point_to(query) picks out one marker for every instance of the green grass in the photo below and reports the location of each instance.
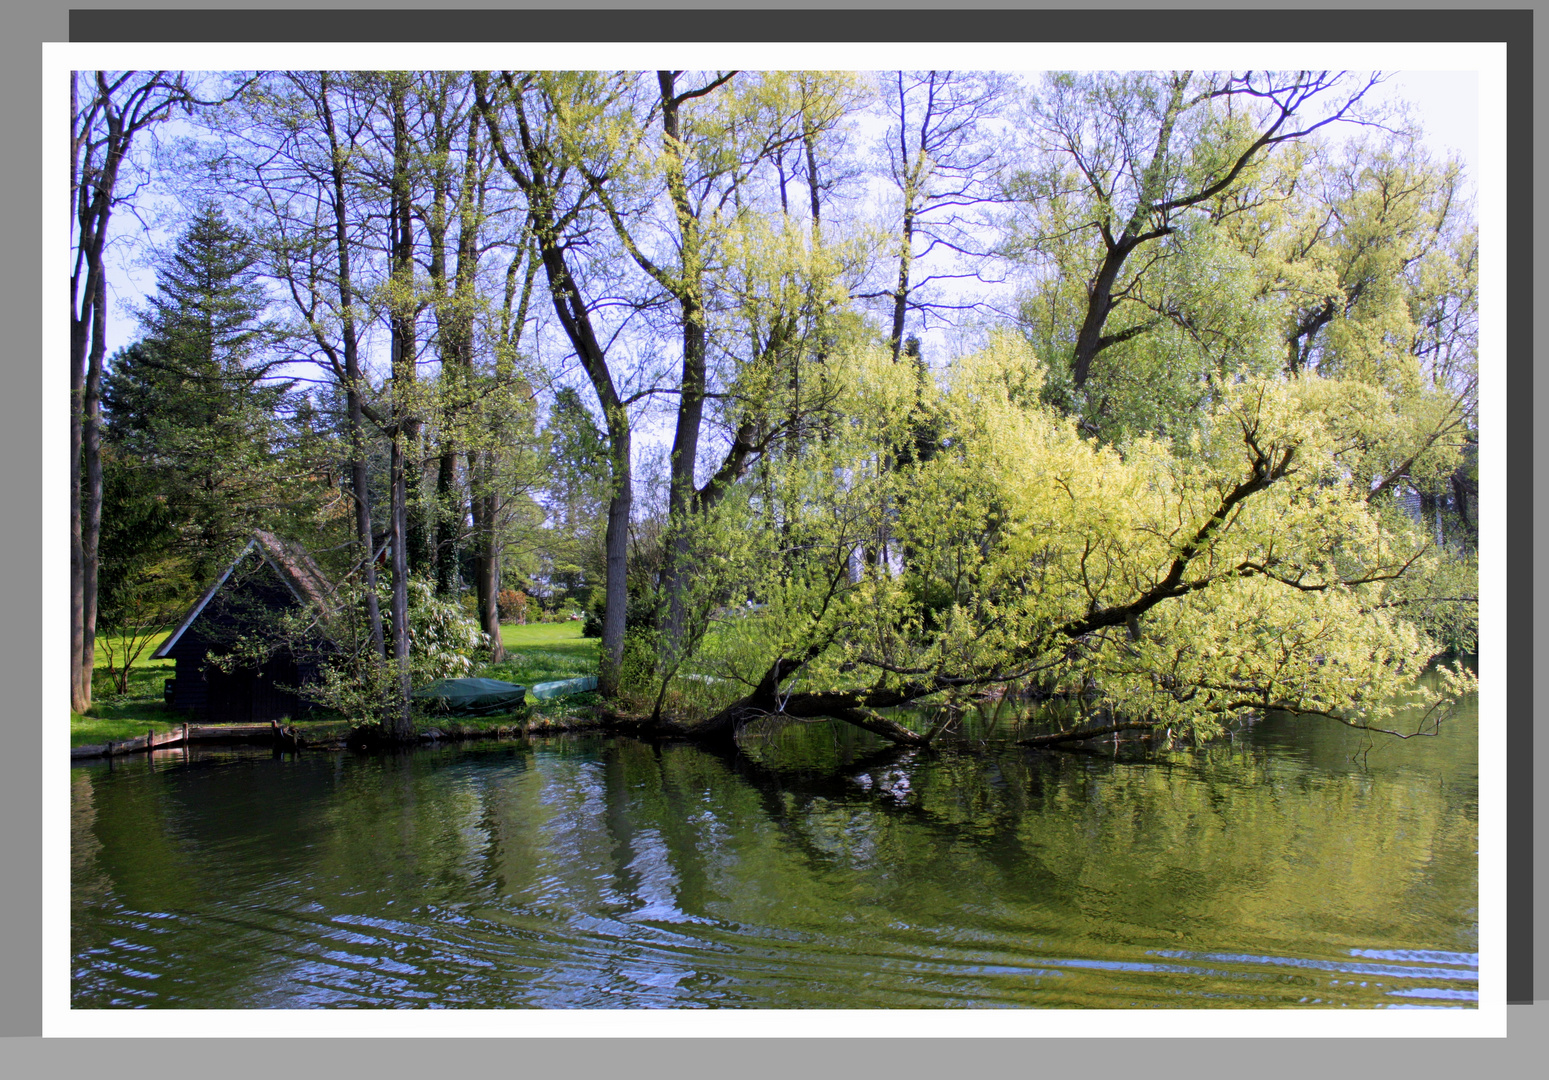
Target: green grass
(94, 730)
(118, 716)
(543, 652)
(560, 633)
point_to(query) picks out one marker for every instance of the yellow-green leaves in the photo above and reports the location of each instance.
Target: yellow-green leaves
(1251, 573)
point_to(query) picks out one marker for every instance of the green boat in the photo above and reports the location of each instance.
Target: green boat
(472, 697)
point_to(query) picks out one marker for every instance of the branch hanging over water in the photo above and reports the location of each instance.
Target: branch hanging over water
(1086, 733)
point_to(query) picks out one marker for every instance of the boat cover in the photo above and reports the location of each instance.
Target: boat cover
(472, 697)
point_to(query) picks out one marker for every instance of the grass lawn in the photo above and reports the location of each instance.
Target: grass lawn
(118, 716)
(538, 653)
(543, 652)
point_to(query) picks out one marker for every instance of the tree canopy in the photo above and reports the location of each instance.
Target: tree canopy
(1211, 448)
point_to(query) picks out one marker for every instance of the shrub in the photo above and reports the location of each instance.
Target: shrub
(513, 605)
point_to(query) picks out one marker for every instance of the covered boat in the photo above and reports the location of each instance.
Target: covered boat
(472, 697)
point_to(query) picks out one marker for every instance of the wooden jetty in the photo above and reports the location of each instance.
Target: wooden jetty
(272, 734)
(286, 737)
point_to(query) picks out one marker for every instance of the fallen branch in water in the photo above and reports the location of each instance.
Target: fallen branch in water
(1086, 733)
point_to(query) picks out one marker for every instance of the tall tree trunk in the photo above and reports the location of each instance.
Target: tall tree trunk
(92, 182)
(447, 507)
(1089, 339)
(901, 290)
(401, 726)
(418, 550)
(80, 688)
(616, 549)
(486, 550)
(91, 509)
(354, 405)
(80, 673)
(449, 513)
(678, 558)
(405, 423)
(575, 317)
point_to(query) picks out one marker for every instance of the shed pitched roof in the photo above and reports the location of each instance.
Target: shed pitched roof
(292, 565)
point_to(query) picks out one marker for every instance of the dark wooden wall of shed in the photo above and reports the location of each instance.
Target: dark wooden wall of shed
(246, 695)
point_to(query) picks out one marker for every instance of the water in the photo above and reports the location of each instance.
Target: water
(1284, 868)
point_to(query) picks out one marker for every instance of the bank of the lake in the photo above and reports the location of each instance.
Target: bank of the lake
(536, 652)
(1297, 864)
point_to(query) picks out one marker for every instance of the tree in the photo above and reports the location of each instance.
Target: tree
(942, 159)
(1128, 165)
(1380, 268)
(193, 404)
(143, 583)
(483, 407)
(108, 110)
(560, 208)
(576, 496)
(716, 136)
(1148, 589)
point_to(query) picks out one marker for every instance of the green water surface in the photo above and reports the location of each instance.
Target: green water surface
(817, 868)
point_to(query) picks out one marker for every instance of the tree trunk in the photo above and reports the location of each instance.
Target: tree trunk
(401, 726)
(363, 537)
(765, 701)
(91, 509)
(449, 514)
(80, 692)
(405, 421)
(678, 558)
(676, 569)
(616, 586)
(1089, 339)
(901, 291)
(575, 317)
(492, 569)
(486, 551)
(404, 312)
(354, 405)
(1460, 495)
(80, 676)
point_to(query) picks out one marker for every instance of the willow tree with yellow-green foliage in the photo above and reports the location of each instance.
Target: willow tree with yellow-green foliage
(1183, 226)
(1151, 588)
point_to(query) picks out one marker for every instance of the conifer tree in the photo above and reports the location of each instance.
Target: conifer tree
(191, 402)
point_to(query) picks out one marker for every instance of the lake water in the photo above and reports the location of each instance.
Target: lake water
(1283, 868)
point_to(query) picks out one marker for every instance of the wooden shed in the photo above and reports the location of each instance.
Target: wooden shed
(267, 581)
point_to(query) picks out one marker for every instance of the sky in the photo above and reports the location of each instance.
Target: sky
(1447, 103)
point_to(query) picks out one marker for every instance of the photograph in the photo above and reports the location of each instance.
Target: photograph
(750, 538)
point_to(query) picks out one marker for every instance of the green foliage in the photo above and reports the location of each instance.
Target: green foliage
(141, 577)
(1258, 573)
(443, 640)
(190, 403)
(1195, 517)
